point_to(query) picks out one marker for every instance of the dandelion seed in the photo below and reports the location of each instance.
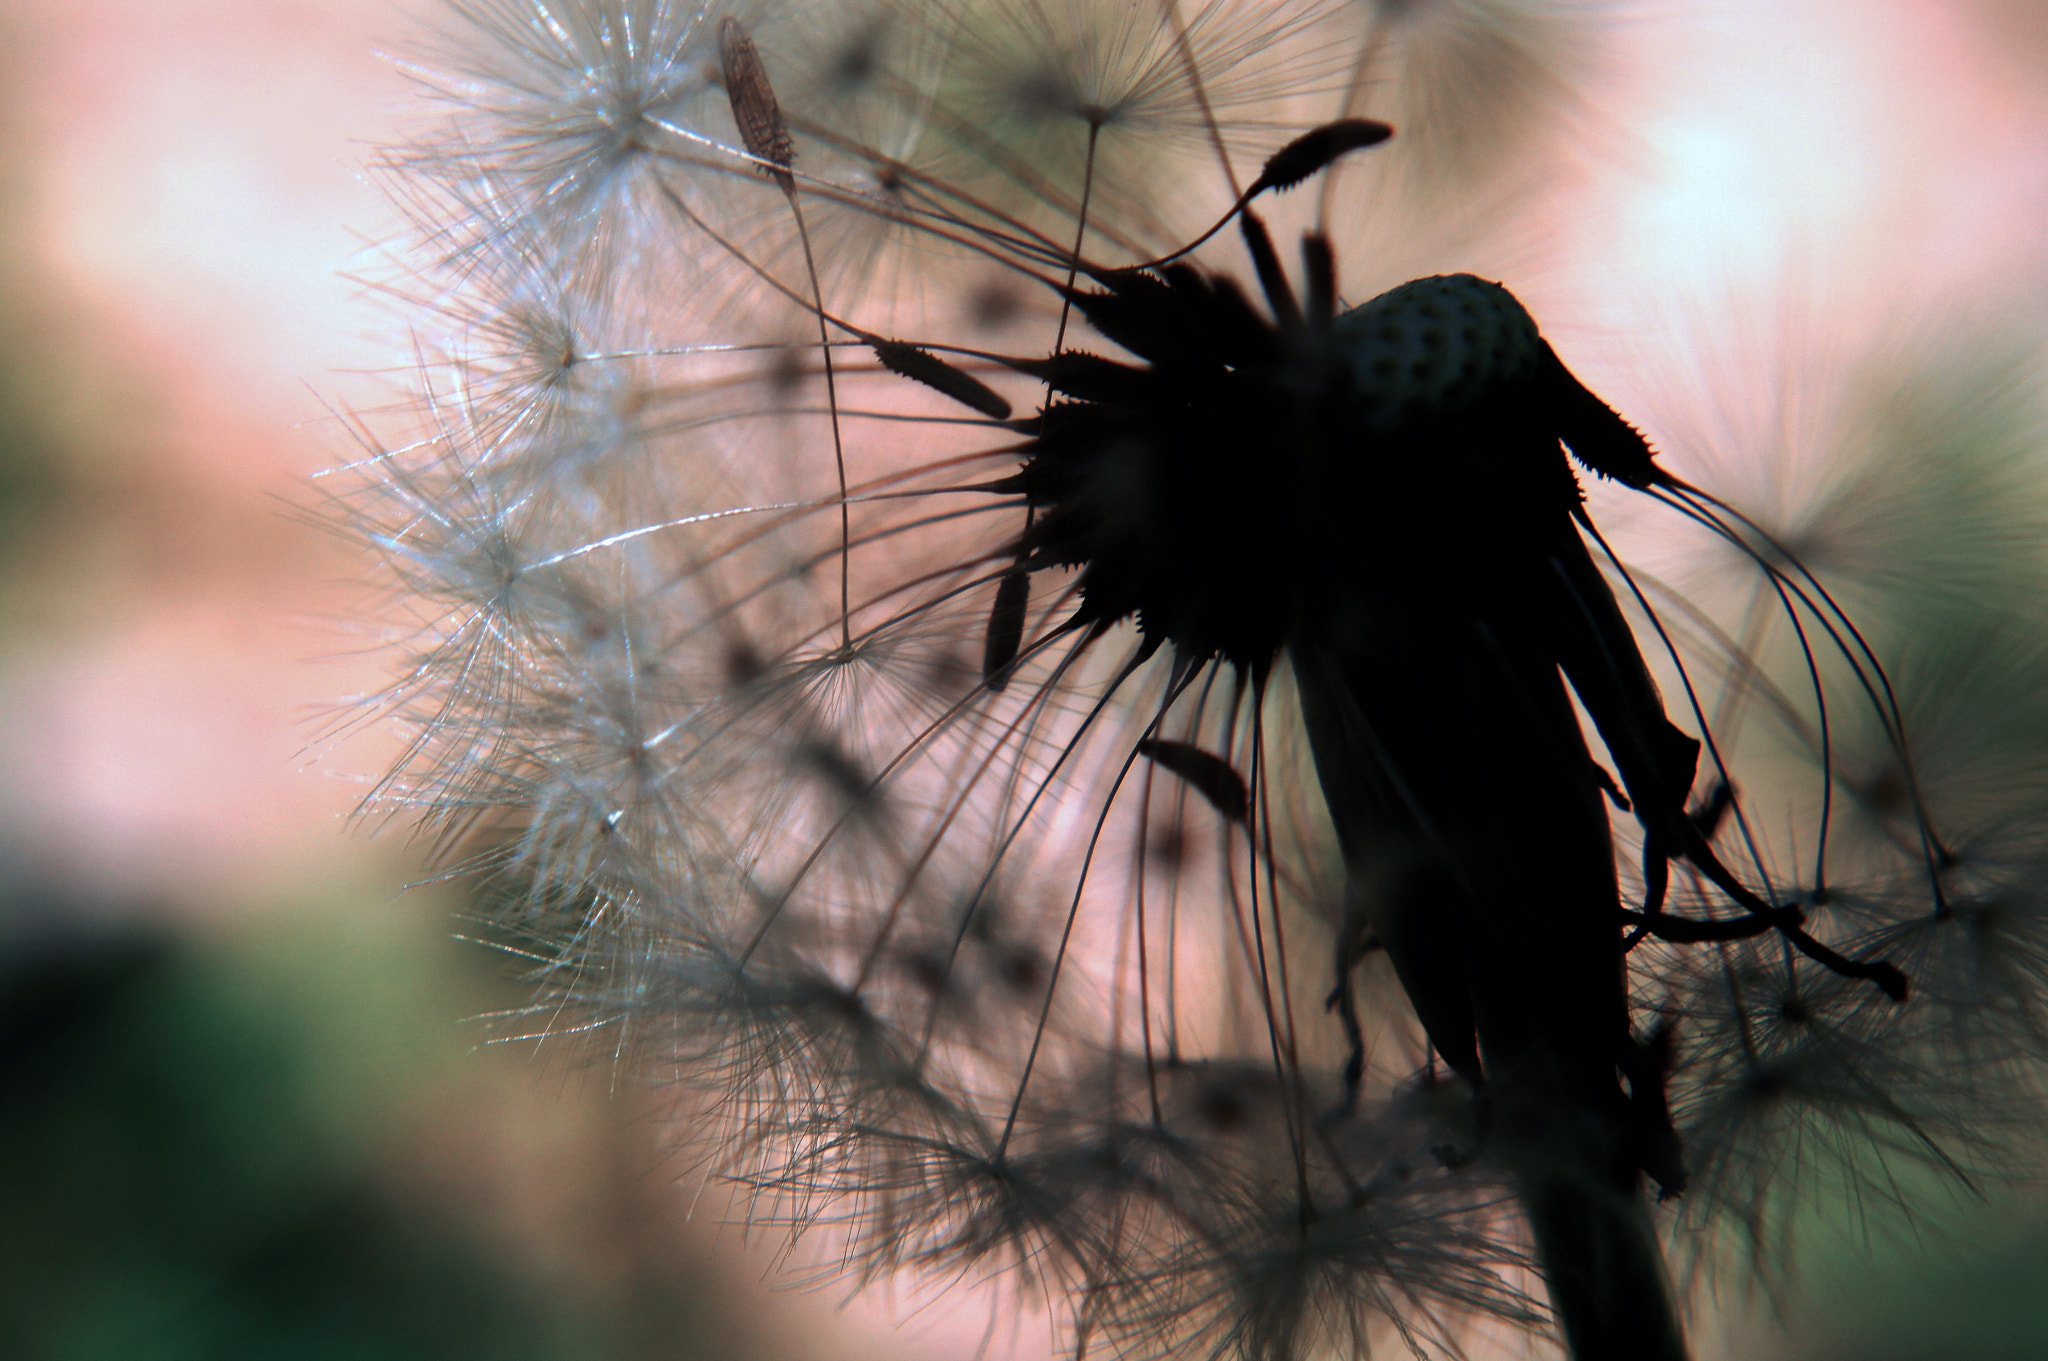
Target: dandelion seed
(1085, 772)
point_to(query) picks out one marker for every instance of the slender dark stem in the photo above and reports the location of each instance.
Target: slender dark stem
(1605, 1273)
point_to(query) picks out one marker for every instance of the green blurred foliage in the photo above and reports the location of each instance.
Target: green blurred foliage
(200, 1144)
(1991, 1305)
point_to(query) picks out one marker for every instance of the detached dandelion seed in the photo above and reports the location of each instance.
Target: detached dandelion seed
(1077, 757)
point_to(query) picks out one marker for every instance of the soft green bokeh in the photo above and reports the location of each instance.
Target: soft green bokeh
(208, 1148)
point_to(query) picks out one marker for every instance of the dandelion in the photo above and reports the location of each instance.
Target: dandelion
(1098, 750)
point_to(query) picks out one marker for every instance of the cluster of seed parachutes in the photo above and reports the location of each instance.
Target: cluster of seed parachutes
(992, 924)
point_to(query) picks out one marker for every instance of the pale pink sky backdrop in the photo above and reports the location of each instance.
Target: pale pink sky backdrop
(194, 191)
(191, 169)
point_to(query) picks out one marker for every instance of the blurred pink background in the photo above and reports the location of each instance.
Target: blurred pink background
(188, 189)
(182, 190)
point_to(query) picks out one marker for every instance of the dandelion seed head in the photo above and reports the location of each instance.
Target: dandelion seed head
(1096, 754)
(1801, 1109)
(1436, 343)
(566, 100)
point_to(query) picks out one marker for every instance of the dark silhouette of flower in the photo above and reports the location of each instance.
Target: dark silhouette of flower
(1170, 793)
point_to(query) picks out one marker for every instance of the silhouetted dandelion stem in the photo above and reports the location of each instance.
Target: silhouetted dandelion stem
(1054, 786)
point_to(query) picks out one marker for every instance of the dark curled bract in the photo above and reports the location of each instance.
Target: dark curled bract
(1214, 778)
(1313, 151)
(1005, 628)
(923, 366)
